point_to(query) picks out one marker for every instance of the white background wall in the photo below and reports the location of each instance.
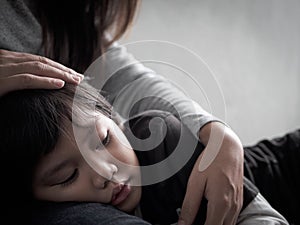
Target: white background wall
(251, 46)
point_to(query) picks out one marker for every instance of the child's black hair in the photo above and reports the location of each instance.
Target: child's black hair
(31, 123)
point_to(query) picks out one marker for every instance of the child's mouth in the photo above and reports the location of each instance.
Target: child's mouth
(121, 194)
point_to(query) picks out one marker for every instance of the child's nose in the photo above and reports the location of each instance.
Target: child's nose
(101, 178)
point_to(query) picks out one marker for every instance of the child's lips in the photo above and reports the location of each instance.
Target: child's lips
(120, 193)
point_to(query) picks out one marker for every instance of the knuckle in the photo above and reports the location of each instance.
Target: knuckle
(70, 71)
(27, 80)
(42, 59)
(67, 75)
(39, 66)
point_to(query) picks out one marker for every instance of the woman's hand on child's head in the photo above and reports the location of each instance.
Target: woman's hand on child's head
(26, 71)
(220, 181)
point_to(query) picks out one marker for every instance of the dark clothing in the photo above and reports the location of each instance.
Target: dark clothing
(82, 214)
(160, 201)
(273, 166)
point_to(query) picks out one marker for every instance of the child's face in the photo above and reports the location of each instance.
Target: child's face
(68, 173)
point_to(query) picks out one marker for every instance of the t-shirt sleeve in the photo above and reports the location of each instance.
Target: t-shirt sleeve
(133, 88)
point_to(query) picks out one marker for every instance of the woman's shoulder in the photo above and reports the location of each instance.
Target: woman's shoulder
(20, 30)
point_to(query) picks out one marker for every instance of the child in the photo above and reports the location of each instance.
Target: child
(66, 149)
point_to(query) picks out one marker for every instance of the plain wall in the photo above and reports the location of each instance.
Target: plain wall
(238, 58)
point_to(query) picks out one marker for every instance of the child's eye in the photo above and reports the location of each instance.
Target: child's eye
(70, 179)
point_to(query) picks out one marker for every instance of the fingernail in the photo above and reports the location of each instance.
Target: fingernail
(80, 75)
(76, 78)
(59, 83)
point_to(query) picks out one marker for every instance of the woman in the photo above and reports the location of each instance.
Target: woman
(76, 35)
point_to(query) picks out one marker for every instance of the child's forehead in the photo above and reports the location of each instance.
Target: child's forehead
(81, 125)
(86, 118)
(89, 125)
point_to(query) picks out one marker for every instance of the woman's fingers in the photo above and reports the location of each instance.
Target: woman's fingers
(28, 81)
(39, 62)
(38, 69)
(49, 62)
(27, 71)
(20, 57)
